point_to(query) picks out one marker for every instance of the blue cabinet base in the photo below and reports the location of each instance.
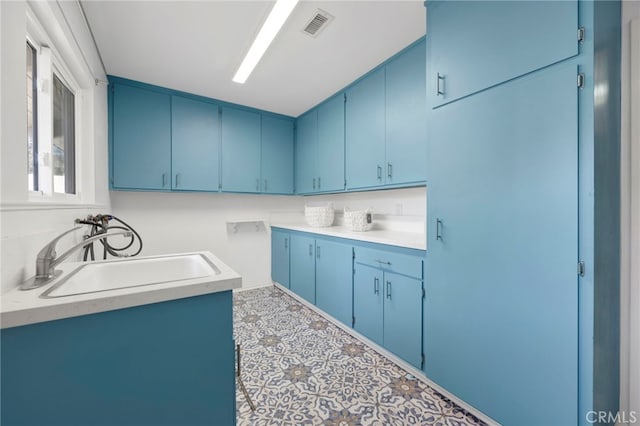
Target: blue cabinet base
(169, 363)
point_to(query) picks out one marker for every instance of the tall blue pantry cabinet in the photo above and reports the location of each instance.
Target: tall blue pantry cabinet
(522, 292)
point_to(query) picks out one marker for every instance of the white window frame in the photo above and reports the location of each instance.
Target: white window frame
(49, 61)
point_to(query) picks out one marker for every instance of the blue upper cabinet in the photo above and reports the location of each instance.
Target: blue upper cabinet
(277, 155)
(330, 148)
(320, 148)
(406, 109)
(386, 131)
(240, 150)
(365, 132)
(509, 39)
(141, 138)
(195, 145)
(306, 142)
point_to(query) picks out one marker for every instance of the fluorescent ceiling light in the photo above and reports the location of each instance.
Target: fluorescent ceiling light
(276, 19)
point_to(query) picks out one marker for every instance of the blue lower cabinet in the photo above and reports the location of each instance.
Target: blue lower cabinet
(168, 363)
(333, 279)
(303, 267)
(402, 317)
(388, 299)
(368, 302)
(280, 257)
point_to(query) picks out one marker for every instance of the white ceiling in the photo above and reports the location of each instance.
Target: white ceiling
(196, 46)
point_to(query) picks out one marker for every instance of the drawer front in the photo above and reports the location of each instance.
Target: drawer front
(395, 262)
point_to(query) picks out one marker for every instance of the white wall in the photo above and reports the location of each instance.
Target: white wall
(26, 226)
(179, 222)
(630, 220)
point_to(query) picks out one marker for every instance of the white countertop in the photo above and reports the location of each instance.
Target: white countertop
(27, 307)
(413, 240)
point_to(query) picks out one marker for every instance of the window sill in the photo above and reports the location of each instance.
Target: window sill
(49, 205)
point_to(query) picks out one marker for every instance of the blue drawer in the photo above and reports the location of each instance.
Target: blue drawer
(403, 264)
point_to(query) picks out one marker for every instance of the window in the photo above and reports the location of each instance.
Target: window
(51, 125)
(32, 108)
(63, 149)
(64, 100)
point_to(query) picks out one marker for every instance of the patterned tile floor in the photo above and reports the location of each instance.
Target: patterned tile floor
(300, 369)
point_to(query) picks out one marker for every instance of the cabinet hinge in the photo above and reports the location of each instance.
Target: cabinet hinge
(580, 81)
(581, 34)
(345, 184)
(421, 361)
(581, 268)
(219, 186)
(353, 321)
(423, 293)
(345, 98)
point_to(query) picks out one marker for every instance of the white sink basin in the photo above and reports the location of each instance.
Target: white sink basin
(134, 272)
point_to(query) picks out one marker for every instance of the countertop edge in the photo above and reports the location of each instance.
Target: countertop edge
(406, 240)
(38, 314)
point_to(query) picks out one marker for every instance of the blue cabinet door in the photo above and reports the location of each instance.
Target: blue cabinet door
(303, 267)
(406, 109)
(167, 357)
(403, 317)
(195, 145)
(365, 134)
(277, 155)
(368, 291)
(305, 153)
(240, 150)
(501, 47)
(141, 137)
(334, 292)
(502, 237)
(280, 257)
(330, 149)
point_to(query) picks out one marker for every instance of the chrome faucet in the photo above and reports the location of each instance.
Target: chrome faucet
(47, 260)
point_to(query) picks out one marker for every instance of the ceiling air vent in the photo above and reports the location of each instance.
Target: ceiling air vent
(317, 23)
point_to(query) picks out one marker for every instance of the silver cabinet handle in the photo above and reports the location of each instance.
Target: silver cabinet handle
(319, 183)
(439, 86)
(389, 290)
(311, 250)
(376, 285)
(389, 170)
(164, 180)
(379, 172)
(286, 243)
(438, 225)
(384, 262)
(314, 183)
